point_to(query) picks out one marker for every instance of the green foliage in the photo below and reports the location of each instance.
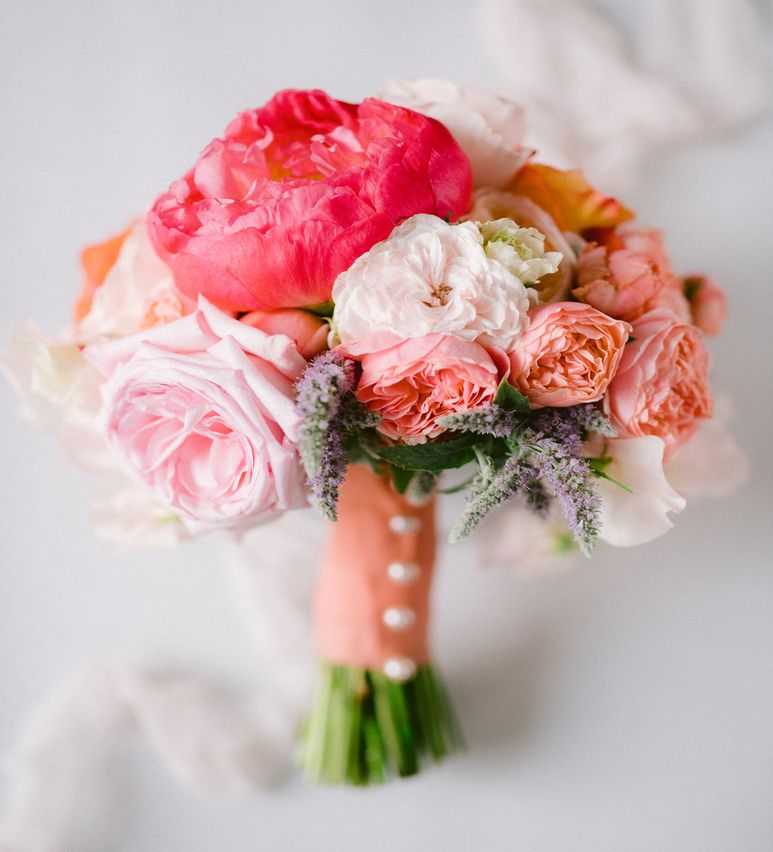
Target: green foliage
(510, 399)
(433, 457)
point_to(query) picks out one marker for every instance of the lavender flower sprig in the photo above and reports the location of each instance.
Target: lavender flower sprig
(329, 412)
(488, 419)
(543, 462)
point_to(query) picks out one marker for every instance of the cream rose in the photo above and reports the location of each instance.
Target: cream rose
(430, 277)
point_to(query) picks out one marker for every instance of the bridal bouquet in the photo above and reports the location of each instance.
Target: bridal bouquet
(365, 306)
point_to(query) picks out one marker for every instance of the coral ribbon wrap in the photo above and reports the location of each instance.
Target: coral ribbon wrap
(355, 587)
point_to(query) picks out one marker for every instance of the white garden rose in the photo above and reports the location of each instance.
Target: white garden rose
(431, 277)
(488, 128)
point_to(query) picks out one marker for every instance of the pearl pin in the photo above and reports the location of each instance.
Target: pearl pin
(399, 617)
(404, 524)
(403, 572)
(399, 668)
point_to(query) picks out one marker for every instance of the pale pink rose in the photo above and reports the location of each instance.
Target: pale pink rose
(708, 304)
(568, 355)
(413, 382)
(202, 411)
(627, 274)
(305, 329)
(661, 387)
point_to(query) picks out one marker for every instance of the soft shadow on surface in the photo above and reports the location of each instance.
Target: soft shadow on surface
(497, 695)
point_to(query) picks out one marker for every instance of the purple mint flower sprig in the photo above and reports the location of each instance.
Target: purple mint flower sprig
(541, 462)
(329, 414)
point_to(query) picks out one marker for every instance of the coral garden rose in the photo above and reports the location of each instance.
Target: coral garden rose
(489, 128)
(629, 274)
(661, 386)
(296, 190)
(305, 329)
(411, 383)
(708, 305)
(431, 277)
(202, 411)
(568, 355)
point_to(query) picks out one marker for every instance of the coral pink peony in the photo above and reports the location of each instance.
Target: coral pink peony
(661, 387)
(296, 191)
(411, 383)
(627, 274)
(708, 304)
(202, 411)
(568, 355)
(305, 329)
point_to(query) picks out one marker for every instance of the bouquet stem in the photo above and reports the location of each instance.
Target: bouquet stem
(380, 708)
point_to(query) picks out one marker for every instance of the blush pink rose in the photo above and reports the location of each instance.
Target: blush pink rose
(661, 387)
(201, 410)
(708, 304)
(413, 382)
(296, 191)
(568, 355)
(306, 330)
(627, 274)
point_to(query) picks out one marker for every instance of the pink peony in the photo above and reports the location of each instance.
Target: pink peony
(296, 191)
(305, 329)
(661, 386)
(411, 383)
(708, 304)
(568, 355)
(202, 411)
(627, 274)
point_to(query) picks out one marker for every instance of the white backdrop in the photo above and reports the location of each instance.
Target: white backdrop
(626, 704)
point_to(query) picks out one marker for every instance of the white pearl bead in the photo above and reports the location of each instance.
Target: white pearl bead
(399, 668)
(404, 524)
(403, 572)
(399, 617)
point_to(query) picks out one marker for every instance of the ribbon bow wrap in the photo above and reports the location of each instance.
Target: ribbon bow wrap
(696, 68)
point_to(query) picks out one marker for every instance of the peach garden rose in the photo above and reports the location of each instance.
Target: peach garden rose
(627, 273)
(568, 355)
(661, 387)
(411, 383)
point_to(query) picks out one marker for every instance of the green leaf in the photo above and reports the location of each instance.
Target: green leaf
(600, 464)
(510, 399)
(401, 478)
(434, 457)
